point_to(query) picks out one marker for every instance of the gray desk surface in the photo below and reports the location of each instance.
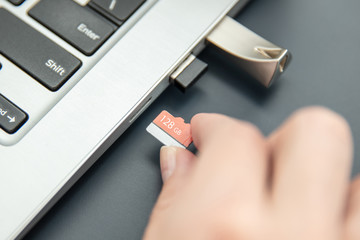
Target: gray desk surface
(114, 198)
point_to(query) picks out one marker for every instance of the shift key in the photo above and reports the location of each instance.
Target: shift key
(34, 53)
(78, 25)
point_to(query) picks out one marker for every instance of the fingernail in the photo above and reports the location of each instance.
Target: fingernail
(167, 162)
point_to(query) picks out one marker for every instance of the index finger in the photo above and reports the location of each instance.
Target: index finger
(210, 129)
(233, 151)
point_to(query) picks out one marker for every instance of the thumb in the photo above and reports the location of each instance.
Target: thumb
(175, 166)
(174, 161)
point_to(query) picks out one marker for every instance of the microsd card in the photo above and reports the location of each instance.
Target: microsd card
(171, 131)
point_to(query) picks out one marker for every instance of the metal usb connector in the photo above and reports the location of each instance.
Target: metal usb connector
(262, 59)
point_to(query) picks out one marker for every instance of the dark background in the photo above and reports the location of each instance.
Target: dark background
(114, 198)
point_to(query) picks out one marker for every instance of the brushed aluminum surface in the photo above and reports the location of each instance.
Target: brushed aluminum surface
(31, 95)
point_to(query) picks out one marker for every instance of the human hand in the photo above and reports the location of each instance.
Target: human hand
(292, 185)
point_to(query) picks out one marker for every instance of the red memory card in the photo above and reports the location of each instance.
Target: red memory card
(170, 130)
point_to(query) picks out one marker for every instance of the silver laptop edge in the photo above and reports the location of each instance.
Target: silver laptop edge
(44, 164)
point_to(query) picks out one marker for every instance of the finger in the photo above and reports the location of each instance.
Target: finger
(174, 158)
(312, 155)
(352, 225)
(231, 153)
(175, 166)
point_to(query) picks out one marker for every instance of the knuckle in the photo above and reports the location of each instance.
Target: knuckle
(230, 226)
(251, 135)
(248, 227)
(245, 130)
(237, 132)
(245, 221)
(251, 130)
(322, 119)
(224, 128)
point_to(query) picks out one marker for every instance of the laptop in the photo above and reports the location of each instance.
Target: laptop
(74, 75)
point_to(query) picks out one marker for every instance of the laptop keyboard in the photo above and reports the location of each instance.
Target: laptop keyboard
(86, 28)
(41, 58)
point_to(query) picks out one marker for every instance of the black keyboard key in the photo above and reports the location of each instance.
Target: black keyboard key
(16, 2)
(41, 58)
(11, 117)
(80, 26)
(117, 10)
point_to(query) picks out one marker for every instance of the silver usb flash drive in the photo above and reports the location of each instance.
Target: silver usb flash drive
(260, 58)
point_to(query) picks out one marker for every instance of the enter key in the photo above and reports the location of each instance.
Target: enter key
(78, 25)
